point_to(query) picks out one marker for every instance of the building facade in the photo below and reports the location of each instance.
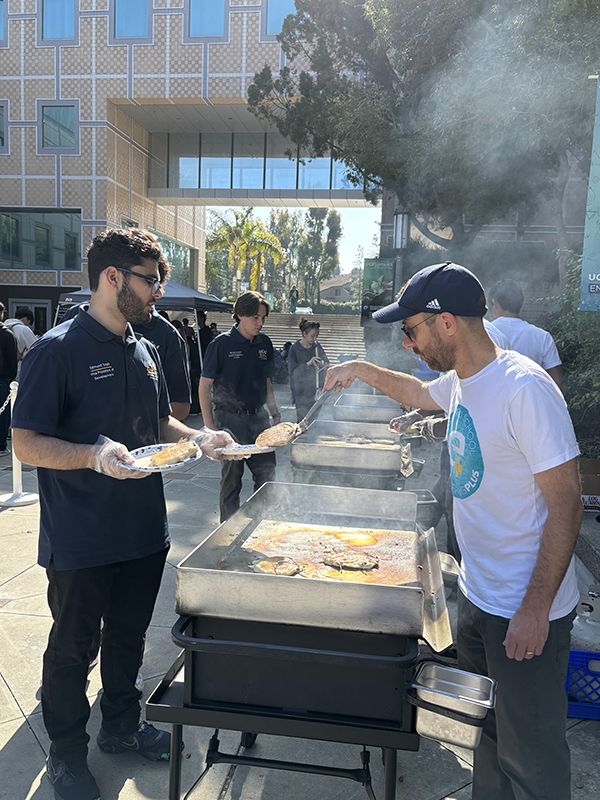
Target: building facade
(133, 112)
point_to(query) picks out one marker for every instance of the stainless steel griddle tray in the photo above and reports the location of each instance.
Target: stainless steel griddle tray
(365, 408)
(308, 453)
(417, 610)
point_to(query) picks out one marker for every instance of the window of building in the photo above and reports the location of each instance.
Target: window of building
(42, 246)
(180, 259)
(248, 160)
(1, 20)
(58, 19)
(280, 169)
(127, 222)
(337, 292)
(277, 11)
(131, 19)
(58, 126)
(207, 17)
(11, 238)
(215, 164)
(184, 159)
(71, 251)
(314, 173)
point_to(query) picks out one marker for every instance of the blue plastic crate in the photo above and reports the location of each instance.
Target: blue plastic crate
(583, 685)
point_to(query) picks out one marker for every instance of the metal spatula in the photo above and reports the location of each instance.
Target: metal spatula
(286, 432)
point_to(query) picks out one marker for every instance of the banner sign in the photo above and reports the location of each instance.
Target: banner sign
(378, 284)
(590, 269)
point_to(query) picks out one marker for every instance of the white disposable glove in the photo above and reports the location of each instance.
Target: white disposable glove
(433, 429)
(402, 423)
(109, 458)
(208, 441)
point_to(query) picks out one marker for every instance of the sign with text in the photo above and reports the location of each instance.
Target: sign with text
(378, 284)
(590, 269)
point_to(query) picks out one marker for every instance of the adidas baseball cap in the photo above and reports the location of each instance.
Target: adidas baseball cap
(441, 287)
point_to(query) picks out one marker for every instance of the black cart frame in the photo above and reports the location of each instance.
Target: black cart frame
(170, 703)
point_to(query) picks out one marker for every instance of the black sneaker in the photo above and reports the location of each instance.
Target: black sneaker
(148, 742)
(72, 780)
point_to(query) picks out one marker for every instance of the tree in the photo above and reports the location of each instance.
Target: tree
(243, 238)
(466, 109)
(318, 251)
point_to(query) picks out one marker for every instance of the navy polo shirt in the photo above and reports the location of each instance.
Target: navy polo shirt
(77, 382)
(171, 349)
(240, 369)
(173, 356)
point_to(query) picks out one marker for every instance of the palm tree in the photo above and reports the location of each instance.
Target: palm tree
(244, 238)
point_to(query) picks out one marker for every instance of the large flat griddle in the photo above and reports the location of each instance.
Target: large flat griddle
(410, 607)
(308, 545)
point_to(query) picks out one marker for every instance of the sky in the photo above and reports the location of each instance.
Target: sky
(359, 226)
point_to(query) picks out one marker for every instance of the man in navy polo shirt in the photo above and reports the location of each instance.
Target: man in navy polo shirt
(238, 366)
(90, 392)
(173, 357)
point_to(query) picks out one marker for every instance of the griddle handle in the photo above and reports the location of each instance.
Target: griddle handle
(226, 647)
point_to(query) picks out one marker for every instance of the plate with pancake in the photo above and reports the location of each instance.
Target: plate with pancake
(246, 450)
(165, 457)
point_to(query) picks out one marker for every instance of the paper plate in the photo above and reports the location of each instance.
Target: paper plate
(143, 454)
(243, 450)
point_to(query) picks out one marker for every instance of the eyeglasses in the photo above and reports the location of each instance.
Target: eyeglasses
(154, 283)
(407, 330)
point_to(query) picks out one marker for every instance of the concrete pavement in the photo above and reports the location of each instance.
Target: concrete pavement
(434, 773)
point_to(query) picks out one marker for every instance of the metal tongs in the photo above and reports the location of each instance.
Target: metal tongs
(290, 432)
(304, 423)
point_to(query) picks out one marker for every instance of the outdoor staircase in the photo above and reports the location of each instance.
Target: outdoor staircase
(339, 333)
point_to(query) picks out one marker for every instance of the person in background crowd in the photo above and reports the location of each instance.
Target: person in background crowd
(517, 513)
(293, 296)
(103, 526)
(529, 340)
(20, 325)
(238, 367)
(305, 361)
(204, 332)
(205, 337)
(189, 331)
(8, 372)
(179, 328)
(214, 331)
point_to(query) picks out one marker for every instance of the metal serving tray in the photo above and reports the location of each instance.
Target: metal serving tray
(416, 609)
(366, 408)
(464, 692)
(308, 452)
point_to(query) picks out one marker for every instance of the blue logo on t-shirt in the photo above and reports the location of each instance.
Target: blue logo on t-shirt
(466, 461)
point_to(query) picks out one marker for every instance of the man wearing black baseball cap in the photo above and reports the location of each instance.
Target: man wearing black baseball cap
(517, 513)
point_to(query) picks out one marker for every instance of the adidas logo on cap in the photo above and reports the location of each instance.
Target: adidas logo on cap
(434, 304)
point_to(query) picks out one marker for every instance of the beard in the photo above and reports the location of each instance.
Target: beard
(132, 307)
(438, 355)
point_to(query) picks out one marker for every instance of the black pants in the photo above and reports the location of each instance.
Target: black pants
(244, 430)
(5, 416)
(523, 753)
(124, 595)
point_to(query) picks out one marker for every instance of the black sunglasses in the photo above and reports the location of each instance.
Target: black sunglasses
(154, 283)
(407, 330)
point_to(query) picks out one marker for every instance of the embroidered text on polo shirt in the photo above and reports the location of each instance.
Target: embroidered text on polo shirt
(151, 369)
(235, 354)
(100, 371)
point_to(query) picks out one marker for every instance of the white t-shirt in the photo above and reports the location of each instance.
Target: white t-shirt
(506, 423)
(529, 340)
(496, 335)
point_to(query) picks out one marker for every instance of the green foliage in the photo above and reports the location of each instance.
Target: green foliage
(577, 336)
(466, 110)
(318, 256)
(331, 307)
